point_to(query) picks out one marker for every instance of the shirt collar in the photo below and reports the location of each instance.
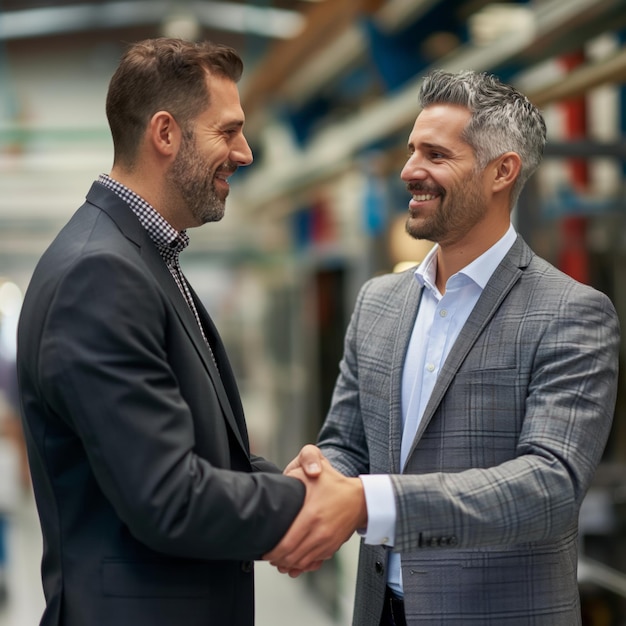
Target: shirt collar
(165, 237)
(479, 270)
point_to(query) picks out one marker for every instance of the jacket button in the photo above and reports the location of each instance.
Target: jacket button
(247, 566)
(379, 568)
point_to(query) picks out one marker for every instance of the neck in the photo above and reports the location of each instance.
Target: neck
(452, 257)
(148, 188)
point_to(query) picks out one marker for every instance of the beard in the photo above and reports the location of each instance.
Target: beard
(453, 218)
(188, 177)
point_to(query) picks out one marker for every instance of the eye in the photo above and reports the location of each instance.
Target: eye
(436, 156)
(231, 131)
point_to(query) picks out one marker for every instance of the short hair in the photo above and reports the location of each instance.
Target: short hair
(502, 119)
(162, 74)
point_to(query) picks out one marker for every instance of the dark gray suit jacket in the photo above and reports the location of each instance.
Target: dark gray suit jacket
(517, 422)
(151, 506)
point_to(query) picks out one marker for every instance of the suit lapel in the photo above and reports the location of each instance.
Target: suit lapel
(496, 290)
(166, 280)
(231, 403)
(130, 226)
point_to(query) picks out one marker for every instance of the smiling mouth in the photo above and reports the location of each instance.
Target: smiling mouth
(224, 173)
(423, 193)
(423, 197)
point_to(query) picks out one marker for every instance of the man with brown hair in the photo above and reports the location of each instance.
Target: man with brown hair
(151, 505)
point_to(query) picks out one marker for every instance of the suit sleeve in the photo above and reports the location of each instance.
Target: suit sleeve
(106, 372)
(259, 464)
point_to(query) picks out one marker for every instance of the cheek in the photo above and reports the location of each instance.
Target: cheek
(212, 153)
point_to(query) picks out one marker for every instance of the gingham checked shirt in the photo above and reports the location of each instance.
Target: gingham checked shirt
(169, 242)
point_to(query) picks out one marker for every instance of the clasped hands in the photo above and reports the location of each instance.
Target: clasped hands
(334, 507)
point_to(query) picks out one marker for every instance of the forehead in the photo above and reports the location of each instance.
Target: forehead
(440, 124)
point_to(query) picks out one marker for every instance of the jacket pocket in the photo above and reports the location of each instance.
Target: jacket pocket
(158, 580)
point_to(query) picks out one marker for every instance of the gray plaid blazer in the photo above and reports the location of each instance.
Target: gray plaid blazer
(489, 498)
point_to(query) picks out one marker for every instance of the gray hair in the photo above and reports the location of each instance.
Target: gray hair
(503, 119)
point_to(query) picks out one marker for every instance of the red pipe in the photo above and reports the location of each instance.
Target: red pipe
(574, 257)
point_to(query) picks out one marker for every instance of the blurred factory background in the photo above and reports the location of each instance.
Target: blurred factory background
(329, 91)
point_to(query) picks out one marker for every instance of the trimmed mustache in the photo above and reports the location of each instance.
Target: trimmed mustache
(229, 168)
(414, 188)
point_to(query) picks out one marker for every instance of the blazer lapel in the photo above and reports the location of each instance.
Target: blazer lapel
(496, 290)
(130, 226)
(166, 280)
(231, 403)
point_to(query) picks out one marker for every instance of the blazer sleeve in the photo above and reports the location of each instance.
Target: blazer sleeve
(259, 464)
(106, 373)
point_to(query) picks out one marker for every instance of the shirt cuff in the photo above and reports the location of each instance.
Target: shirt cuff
(381, 509)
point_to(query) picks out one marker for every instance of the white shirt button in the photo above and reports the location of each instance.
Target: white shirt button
(430, 367)
(443, 313)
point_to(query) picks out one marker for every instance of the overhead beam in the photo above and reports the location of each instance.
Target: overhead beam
(224, 16)
(325, 22)
(582, 79)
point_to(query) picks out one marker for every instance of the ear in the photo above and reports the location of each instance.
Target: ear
(164, 133)
(507, 169)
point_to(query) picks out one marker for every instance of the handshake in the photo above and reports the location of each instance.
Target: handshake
(334, 507)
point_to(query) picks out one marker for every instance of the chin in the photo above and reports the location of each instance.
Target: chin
(213, 216)
(413, 230)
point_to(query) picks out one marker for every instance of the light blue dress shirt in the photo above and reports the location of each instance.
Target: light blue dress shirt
(439, 321)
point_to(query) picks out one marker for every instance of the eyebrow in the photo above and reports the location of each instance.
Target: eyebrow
(235, 123)
(430, 146)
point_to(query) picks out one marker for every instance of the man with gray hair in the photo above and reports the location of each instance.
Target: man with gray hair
(476, 391)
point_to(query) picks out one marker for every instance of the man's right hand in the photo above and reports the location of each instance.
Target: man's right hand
(334, 507)
(309, 460)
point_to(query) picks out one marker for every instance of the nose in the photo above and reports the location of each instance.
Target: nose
(413, 169)
(241, 153)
